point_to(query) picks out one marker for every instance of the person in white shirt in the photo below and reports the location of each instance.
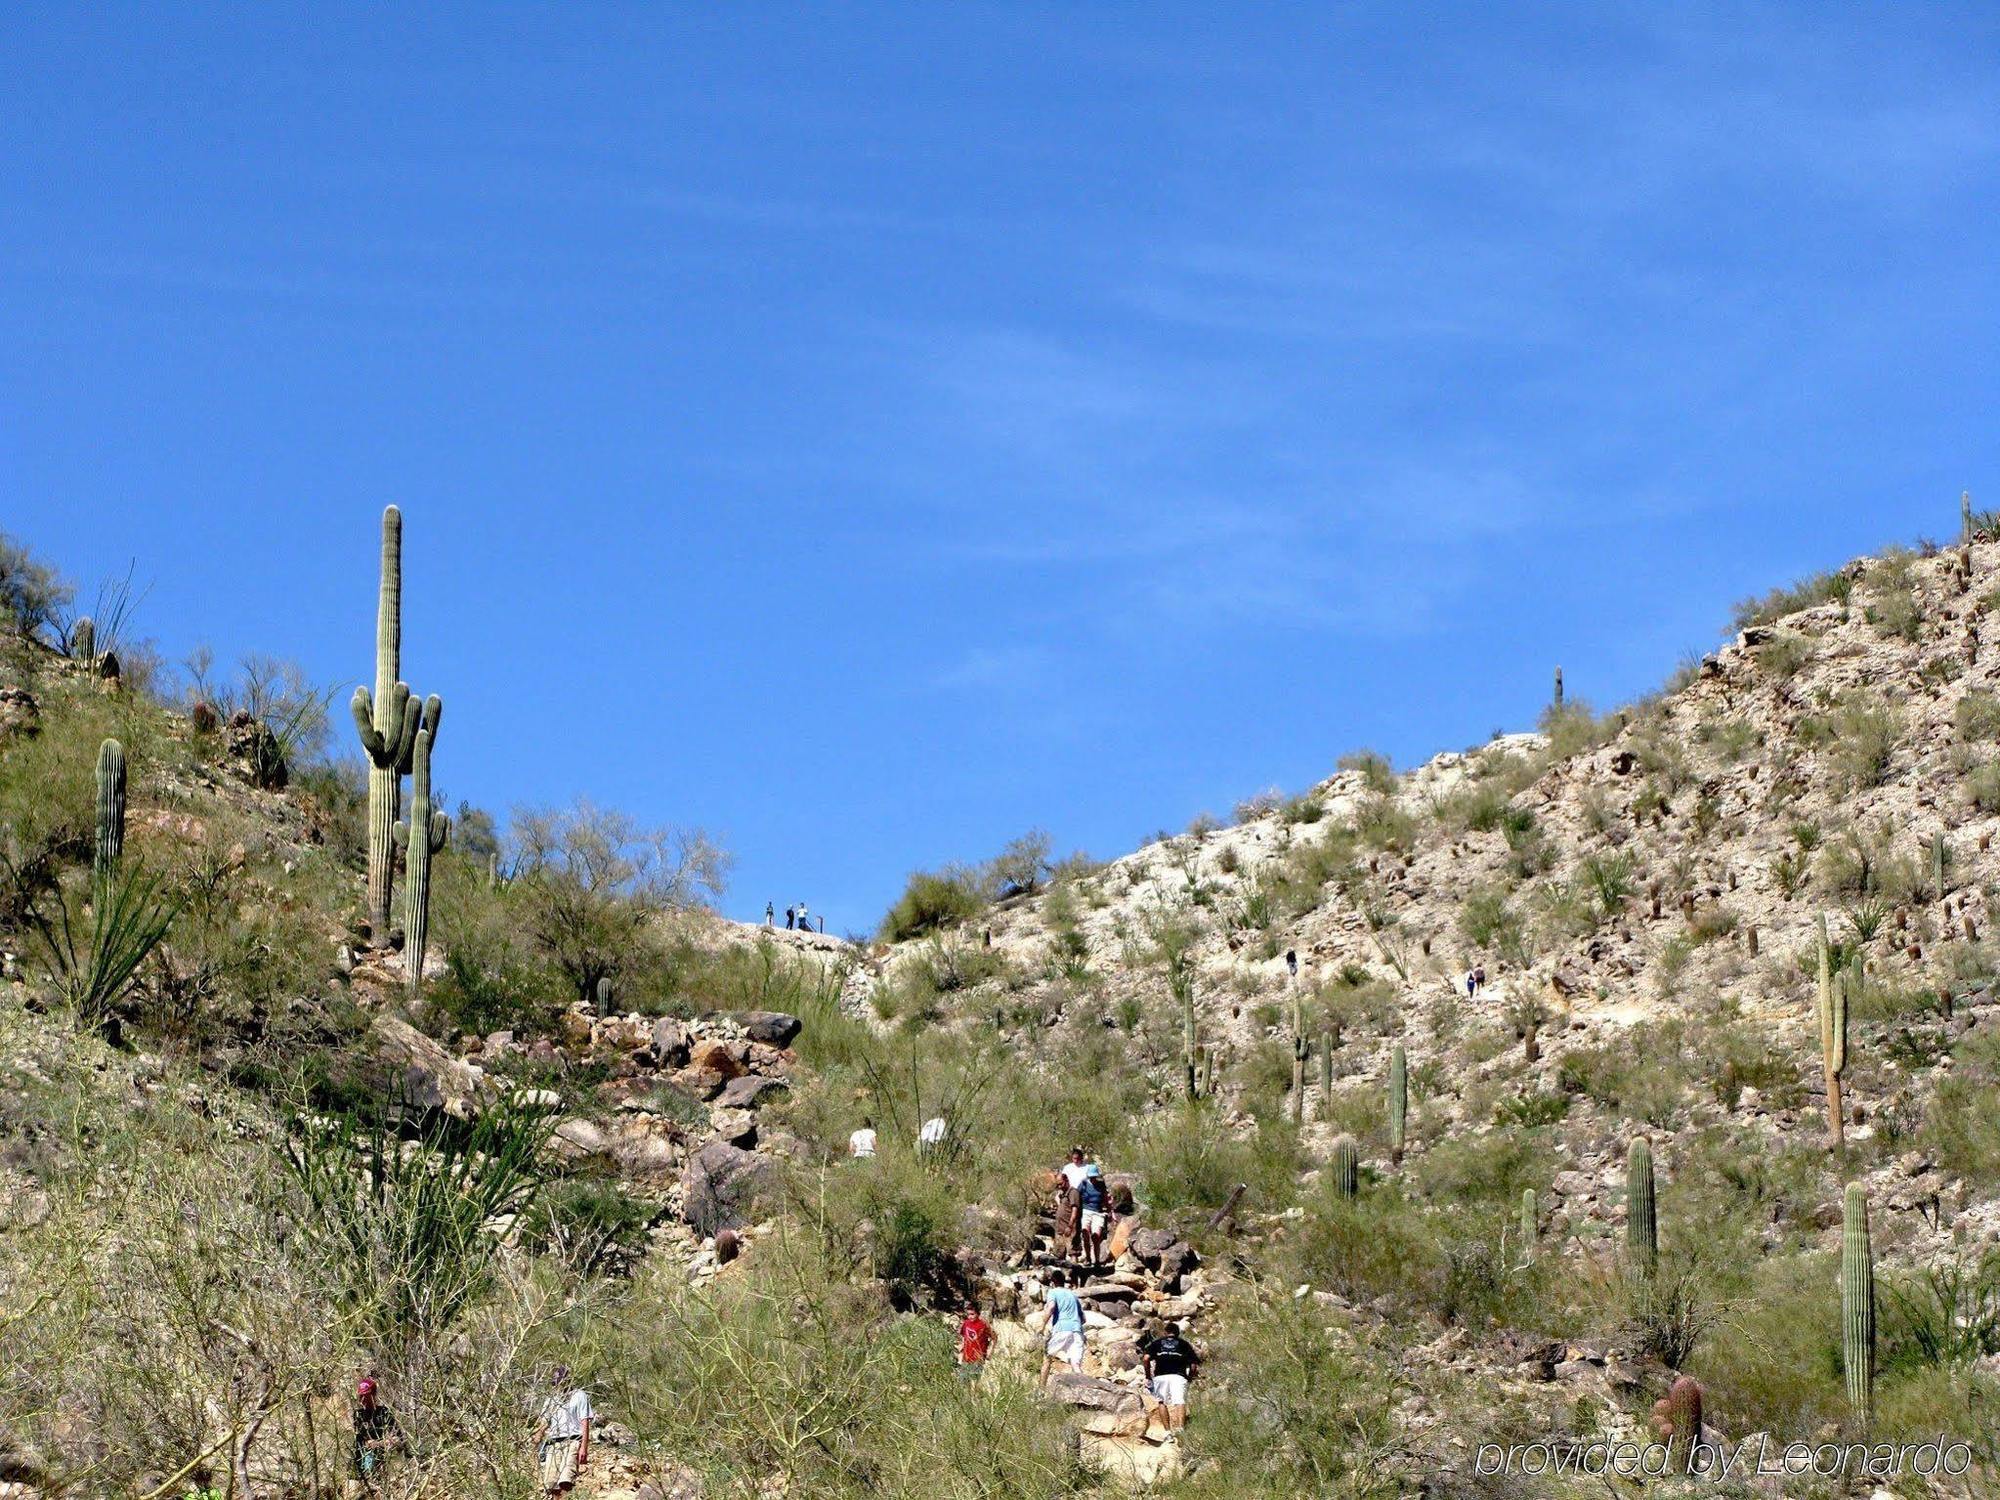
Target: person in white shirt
(932, 1135)
(862, 1142)
(1074, 1170)
(563, 1438)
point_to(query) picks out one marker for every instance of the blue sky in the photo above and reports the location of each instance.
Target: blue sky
(872, 431)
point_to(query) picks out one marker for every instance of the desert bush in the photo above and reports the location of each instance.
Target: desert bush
(1023, 864)
(1817, 588)
(404, 1227)
(590, 885)
(1785, 654)
(1573, 728)
(1376, 772)
(1865, 735)
(589, 1223)
(934, 899)
(32, 594)
(1977, 717)
(1487, 920)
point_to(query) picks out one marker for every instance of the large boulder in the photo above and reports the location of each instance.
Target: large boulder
(721, 1186)
(748, 1091)
(718, 1058)
(771, 1027)
(1113, 1410)
(670, 1042)
(427, 1076)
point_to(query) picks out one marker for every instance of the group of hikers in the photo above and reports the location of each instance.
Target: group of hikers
(1085, 1206)
(863, 1142)
(564, 1417)
(795, 918)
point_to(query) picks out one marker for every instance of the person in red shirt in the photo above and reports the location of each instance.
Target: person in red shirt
(975, 1342)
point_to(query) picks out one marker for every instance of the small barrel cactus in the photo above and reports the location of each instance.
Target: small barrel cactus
(1677, 1419)
(1857, 1303)
(110, 807)
(1346, 1166)
(1642, 1234)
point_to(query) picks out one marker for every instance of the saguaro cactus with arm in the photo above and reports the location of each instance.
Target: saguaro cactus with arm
(421, 835)
(388, 722)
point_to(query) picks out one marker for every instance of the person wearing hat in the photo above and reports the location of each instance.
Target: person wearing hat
(562, 1442)
(375, 1432)
(1093, 1200)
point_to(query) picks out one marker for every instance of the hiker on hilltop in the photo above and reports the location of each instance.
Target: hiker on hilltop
(975, 1342)
(562, 1440)
(770, 914)
(804, 925)
(1170, 1364)
(1062, 1315)
(1093, 1201)
(375, 1433)
(791, 917)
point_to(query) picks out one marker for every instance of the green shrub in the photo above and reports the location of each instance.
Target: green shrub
(588, 1223)
(1376, 772)
(1818, 588)
(1865, 735)
(932, 900)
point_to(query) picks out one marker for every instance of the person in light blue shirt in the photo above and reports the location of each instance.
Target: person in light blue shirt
(1063, 1316)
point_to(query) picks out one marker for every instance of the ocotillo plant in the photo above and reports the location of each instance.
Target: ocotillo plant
(1530, 1224)
(1346, 1166)
(1399, 1102)
(1642, 1234)
(388, 721)
(1857, 1303)
(1832, 1035)
(421, 835)
(110, 807)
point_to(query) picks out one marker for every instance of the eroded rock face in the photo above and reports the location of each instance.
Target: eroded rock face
(429, 1076)
(720, 1186)
(748, 1091)
(19, 713)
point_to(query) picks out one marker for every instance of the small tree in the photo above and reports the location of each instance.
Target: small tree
(32, 594)
(1024, 863)
(593, 880)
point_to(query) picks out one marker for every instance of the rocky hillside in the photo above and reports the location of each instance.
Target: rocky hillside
(1644, 893)
(1402, 1220)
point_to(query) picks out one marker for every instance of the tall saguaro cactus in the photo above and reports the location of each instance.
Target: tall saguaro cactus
(1530, 1224)
(110, 807)
(1832, 1036)
(1642, 1233)
(1559, 688)
(420, 836)
(1325, 1075)
(1301, 1052)
(388, 721)
(1399, 1102)
(1857, 1302)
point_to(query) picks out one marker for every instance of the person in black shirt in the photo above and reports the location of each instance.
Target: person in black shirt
(1170, 1363)
(375, 1433)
